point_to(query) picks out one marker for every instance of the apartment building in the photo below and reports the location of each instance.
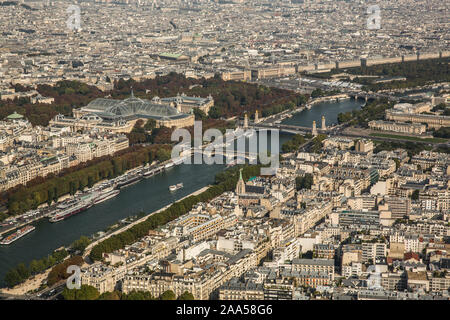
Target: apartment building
(102, 277)
(202, 283)
(432, 121)
(323, 251)
(394, 281)
(237, 290)
(371, 251)
(315, 265)
(400, 127)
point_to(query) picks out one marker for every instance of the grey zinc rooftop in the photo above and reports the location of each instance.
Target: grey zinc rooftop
(322, 262)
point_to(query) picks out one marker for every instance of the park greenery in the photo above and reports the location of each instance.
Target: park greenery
(80, 244)
(317, 143)
(84, 293)
(374, 110)
(224, 181)
(316, 93)
(231, 98)
(59, 272)
(417, 73)
(21, 272)
(293, 144)
(186, 296)
(149, 133)
(442, 132)
(443, 108)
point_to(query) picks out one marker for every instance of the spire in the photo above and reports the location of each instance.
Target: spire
(240, 186)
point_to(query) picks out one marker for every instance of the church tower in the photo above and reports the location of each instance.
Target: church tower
(240, 187)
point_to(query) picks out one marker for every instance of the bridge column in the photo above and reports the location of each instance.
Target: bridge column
(314, 129)
(324, 126)
(363, 62)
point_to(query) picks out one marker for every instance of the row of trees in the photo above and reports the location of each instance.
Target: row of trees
(91, 293)
(24, 198)
(21, 272)
(316, 93)
(80, 244)
(293, 144)
(417, 73)
(59, 272)
(443, 132)
(317, 143)
(225, 181)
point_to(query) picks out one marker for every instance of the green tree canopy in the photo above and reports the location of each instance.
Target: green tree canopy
(137, 295)
(304, 182)
(84, 293)
(81, 244)
(168, 295)
(12, 278)
(199, 114)
(186, 296)
(109, 296)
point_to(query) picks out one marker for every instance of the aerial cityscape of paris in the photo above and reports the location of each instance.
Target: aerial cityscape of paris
(236, 152)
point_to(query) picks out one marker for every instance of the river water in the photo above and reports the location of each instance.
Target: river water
(328, 109)
(146, 196)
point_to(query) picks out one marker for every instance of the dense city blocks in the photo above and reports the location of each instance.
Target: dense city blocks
(225, 154)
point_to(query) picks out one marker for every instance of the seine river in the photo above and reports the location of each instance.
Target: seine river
(146, 196)
(328, 109)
